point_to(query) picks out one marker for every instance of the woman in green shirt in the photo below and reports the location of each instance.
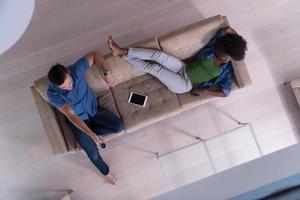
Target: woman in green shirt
(179, 76)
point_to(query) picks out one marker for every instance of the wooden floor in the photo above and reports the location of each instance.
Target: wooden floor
(63, 30)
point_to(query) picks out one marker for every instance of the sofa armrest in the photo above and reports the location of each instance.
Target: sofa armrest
(50, 123)
(295, 84)
(240, 70)
(296, 92)
(241, 74)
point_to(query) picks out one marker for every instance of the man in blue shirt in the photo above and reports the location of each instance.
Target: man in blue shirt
(70, 93)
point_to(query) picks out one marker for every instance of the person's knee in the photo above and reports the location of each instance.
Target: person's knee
(119, 126)
(181, 89)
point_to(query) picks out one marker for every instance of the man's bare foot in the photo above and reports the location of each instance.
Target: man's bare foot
(116, 50)
(110, 178)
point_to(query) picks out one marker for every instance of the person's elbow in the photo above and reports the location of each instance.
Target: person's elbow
(71, 117)
(224, 93)
(96, 52)
(67, 111)
(229, 30)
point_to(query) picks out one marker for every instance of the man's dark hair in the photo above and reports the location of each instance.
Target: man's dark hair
(233, 45)
(57, 74)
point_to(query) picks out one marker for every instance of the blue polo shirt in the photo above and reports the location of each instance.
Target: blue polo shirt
(224, 80)
(81, 98)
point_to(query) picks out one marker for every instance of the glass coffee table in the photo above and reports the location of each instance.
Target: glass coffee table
(208, 157)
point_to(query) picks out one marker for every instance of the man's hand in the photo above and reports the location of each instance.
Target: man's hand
(77, 145)
(110, 80)
(97, 139)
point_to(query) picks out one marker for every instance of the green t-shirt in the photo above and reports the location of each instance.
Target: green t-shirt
(201, 70)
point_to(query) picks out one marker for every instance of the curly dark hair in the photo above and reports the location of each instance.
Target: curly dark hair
(233, 45)
(57, 74)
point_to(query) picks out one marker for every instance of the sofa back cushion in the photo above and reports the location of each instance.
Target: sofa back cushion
(187, 41)
(123, 71)
(161, 102)
(92, 75)
(95, 80)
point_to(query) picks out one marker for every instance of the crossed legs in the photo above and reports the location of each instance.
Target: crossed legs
(168, 69)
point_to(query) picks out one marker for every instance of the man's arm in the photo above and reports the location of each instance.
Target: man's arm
(212, 92)
(73, 117)
(96, 57)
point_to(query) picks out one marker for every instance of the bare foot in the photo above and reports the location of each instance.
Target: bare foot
(116, 50)
(110, 178)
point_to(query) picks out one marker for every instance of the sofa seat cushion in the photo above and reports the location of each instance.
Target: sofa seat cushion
(93, 77)
(187, 41)
(106, 100)
(161, 102)
(123, 71)
(187, 101)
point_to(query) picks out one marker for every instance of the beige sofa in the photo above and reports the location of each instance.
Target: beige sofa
(161, 104)
(295, 84)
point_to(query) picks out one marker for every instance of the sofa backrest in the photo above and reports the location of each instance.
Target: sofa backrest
(123, 71)
(50, 124)
(185, 42)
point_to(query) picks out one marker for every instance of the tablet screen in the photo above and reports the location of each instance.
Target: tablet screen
(137, 99)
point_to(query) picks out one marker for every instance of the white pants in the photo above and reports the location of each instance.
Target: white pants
(168, 69)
